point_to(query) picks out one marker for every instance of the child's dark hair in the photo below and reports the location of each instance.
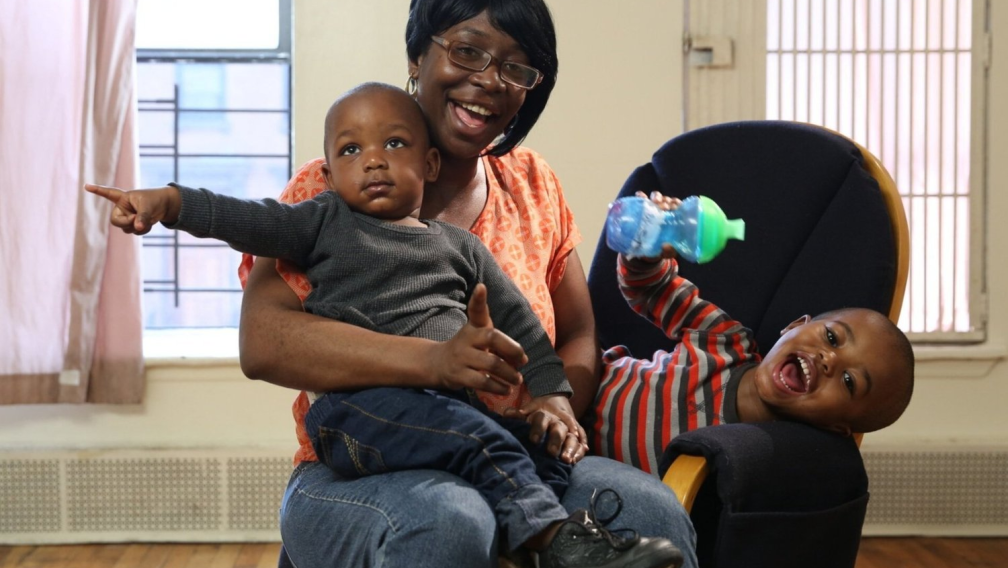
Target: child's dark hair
(527, 21)
(368, 87)
(902, 352)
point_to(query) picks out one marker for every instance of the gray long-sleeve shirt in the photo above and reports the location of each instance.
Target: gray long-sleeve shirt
(381, 276)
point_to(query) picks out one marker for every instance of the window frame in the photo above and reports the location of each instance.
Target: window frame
(978, 308)
(281, 52)
(164, 342)
(975, 276)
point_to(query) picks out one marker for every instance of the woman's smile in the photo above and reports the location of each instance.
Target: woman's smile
(474, 119)
(472, 115)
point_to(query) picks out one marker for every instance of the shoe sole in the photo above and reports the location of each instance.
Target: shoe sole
(660, 556)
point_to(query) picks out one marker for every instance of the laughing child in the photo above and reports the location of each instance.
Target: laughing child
(848, 370)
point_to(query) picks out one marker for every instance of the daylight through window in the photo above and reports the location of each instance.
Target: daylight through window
(214, 110)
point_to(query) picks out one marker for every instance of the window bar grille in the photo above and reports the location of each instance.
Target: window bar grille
(172, 240)
(157, 150)
(176, 120)
(898, 74)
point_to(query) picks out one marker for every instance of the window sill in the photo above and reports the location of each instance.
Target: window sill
(191, 347)
(216, 347)
(958, 361)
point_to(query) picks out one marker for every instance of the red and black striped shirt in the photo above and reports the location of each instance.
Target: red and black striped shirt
(643, 403)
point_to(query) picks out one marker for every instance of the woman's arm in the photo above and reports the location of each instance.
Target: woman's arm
(577, 345)
(281, 344)
(576, 341)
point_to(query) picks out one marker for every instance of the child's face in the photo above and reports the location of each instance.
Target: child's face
(378, 154)
(833, 372)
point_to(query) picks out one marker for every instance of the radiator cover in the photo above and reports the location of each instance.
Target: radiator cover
(234, 496)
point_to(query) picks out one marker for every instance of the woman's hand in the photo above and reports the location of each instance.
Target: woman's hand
(479, 357)
(552, 419)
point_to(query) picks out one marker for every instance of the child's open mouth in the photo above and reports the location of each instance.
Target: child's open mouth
(795, 375)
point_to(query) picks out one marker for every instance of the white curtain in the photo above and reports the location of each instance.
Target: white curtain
(70, 314)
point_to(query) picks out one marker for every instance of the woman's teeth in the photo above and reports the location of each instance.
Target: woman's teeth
(476, 109)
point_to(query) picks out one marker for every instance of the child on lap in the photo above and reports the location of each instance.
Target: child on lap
(373, 263)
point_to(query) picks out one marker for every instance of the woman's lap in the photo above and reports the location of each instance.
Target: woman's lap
(410, 518)
(429, 518)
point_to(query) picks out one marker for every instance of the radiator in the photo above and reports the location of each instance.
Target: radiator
(206, 496)
(152, 496)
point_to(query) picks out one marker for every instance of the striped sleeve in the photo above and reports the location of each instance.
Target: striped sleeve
(657, 292)
(643, 403)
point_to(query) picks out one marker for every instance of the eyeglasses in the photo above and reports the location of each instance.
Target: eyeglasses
(475, 59)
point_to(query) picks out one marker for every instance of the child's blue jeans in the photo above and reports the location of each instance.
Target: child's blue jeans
(381, 430)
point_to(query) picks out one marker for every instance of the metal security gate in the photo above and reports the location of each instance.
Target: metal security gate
(905, 78)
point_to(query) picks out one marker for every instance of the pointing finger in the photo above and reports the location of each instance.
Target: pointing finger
(110, 193)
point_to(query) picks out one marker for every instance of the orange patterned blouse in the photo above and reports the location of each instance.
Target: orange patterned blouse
(526, 224)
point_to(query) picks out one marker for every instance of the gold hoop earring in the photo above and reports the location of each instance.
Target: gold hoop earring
(411, 85)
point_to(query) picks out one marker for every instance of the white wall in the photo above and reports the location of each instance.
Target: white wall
(607, 115)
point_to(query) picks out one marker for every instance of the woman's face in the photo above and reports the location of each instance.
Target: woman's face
(467, 109)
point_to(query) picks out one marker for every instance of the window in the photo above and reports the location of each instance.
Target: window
(214, 112)
(899, 77)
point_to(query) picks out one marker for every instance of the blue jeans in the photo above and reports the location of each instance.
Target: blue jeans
(433, 519)
(382, 430)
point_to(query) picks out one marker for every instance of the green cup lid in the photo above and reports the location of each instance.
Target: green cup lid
(715, 229)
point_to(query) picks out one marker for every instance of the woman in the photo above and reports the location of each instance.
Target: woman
(482, 70)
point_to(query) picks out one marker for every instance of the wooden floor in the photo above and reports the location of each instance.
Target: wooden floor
(141, 556)
(875, 553)
(933, 552)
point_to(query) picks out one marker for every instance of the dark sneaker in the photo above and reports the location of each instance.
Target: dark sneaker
(583, 542)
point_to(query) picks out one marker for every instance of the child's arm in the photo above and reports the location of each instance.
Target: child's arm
(262, 228)
(512, 314)
(543, 373)
(654, 289)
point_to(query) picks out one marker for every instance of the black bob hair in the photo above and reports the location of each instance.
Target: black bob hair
(527, 21)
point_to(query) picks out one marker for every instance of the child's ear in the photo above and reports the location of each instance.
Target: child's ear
(433, 165)
(800, 321)
(325, 174)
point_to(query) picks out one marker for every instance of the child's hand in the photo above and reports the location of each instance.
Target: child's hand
(552, 419)
(137, 211)
(665, 203)
(479, 356)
